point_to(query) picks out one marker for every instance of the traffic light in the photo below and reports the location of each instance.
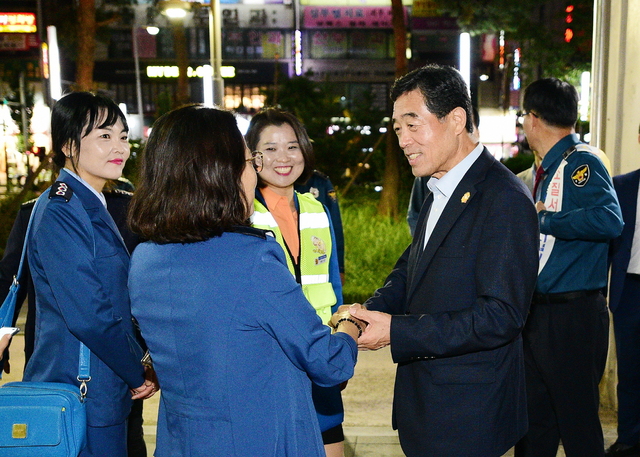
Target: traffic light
(568, 19)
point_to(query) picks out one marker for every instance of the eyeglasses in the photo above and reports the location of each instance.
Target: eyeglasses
(256, 161)
(523, 114)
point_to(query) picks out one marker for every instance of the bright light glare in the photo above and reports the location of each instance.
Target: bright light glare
(465, 58)
(55, 80)
(585, 95)
(207, 85)
(153, 30)
(175, 13)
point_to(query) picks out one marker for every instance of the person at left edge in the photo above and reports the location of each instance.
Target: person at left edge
(79, 265)
(303, 228)
(117, 204)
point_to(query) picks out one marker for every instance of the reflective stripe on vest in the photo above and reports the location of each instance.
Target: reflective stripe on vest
(315, 250)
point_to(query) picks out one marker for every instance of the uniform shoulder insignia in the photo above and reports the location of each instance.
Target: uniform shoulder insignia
(581, 175)
(61, 189)
(315, 192)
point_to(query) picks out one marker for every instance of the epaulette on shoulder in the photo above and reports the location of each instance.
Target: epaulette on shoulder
(321, 175)
(119, 193)
(29, 204)
(61, 189)
(252, 231)
(582, 148)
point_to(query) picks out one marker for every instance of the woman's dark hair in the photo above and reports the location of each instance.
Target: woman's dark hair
(278, 117)
(552, 100)
(442, 88)
(190, 186)
(74, 116)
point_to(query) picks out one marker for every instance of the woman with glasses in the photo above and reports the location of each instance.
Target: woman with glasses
(233, 339)
(303, 229)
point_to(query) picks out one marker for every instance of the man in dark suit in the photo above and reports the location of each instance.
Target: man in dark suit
(624, 303)
(454, 306)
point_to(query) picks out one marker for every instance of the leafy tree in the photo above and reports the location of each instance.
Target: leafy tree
(538, 25)
(79, 24)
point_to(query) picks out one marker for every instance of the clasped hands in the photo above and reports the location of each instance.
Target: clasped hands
(376, 326)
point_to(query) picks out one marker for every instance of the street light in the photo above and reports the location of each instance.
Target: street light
(175, 9)
(170, 7)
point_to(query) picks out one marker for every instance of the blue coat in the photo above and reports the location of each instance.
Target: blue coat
(234, 348)
(459, 308)
(79, 266)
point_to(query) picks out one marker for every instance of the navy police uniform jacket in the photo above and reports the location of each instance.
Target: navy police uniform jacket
(320, 186)
(590, 216)
(79, 265)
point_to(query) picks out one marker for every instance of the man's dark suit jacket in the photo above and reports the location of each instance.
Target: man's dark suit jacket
(620, 250)
(458, 311)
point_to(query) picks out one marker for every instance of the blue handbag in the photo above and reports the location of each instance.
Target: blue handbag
(39, 419)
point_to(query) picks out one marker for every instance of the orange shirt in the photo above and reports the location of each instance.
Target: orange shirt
(286, 218)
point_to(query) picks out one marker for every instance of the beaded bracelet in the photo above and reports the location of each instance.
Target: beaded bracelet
(348, 319)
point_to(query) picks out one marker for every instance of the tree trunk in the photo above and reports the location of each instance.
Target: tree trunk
(182, 59)
(388, 205)
(86, 44)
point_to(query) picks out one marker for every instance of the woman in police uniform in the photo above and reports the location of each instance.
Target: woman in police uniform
(303, 229)
(79, 265)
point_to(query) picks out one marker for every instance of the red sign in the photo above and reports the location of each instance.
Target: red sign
(17, 23)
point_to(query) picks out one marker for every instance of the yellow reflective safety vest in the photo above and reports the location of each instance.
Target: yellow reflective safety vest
(315, 250)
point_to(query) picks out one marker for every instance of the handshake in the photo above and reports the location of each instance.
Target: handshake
(371, 329)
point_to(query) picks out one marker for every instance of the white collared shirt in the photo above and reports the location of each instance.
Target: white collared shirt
(634, 261)
(444, 187)
(100, 195)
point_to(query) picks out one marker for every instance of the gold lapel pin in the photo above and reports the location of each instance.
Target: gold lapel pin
(465, 197)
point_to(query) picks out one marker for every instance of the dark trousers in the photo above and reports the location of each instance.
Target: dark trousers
(626, 327)
(136, 446)
(565, 350)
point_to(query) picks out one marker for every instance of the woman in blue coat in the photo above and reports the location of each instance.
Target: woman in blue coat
(234, 348)
(79, 266)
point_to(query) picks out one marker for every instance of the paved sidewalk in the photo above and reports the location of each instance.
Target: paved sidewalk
(367, 400)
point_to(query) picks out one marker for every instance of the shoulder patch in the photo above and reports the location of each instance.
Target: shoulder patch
(581, 175)
(61, 189)
(332, 195)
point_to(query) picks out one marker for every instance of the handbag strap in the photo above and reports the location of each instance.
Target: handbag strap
(84, 358)
(84, 369)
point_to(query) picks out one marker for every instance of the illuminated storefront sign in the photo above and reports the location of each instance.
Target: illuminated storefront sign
(343, 17)
(168, 71)
(18, 23)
